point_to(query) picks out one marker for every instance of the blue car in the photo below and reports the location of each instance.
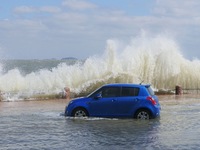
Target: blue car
(117, 101)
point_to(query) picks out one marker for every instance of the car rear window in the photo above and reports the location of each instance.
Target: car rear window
(150, 90)
(129, 91)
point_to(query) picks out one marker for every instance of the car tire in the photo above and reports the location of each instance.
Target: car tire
(143, 114)
(80, 112)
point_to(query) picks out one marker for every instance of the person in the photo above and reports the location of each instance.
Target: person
(67, 93)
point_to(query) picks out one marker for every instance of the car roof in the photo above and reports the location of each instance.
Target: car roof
(127, 85)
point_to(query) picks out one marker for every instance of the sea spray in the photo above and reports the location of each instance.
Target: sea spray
(155, 60)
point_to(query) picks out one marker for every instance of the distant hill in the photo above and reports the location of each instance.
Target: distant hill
(69, 58)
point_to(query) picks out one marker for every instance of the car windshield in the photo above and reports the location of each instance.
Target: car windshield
(94, 93)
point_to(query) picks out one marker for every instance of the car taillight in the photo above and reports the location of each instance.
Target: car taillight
(152, 100)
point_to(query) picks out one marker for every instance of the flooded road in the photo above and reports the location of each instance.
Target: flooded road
(41, 125)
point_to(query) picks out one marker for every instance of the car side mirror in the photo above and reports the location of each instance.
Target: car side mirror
(98, 96)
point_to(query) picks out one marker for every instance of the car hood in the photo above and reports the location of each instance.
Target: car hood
(80, 99)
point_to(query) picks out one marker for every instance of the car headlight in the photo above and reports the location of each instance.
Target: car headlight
(70, 102)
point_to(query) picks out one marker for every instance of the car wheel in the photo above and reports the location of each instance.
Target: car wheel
(143, 114)
(80, 112)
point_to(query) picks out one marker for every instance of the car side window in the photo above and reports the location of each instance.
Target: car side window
(111, 92)
(129, 91)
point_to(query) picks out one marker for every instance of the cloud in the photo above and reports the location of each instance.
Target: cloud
(24, 9)
(78, 4)
(85, 22)
(43, 9)
(178, 8)
(71, 17)
(50, 9)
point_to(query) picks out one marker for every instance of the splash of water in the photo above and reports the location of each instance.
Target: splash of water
(155, 60)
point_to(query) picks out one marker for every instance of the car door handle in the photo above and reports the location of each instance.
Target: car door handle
(136, 99)
(113, 100)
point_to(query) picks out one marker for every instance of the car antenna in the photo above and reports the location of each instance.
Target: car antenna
(141, 82)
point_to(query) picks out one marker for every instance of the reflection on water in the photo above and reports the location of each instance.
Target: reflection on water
(39, 125)
(109, 134)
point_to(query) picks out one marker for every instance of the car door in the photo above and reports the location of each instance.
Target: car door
(127, 102)
(103, 105)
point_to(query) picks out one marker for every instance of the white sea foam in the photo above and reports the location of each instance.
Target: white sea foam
(155, 60)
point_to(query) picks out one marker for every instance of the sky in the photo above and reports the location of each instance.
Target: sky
(45, 29)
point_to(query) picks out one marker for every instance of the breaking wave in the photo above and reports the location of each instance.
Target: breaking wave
(155, 60)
